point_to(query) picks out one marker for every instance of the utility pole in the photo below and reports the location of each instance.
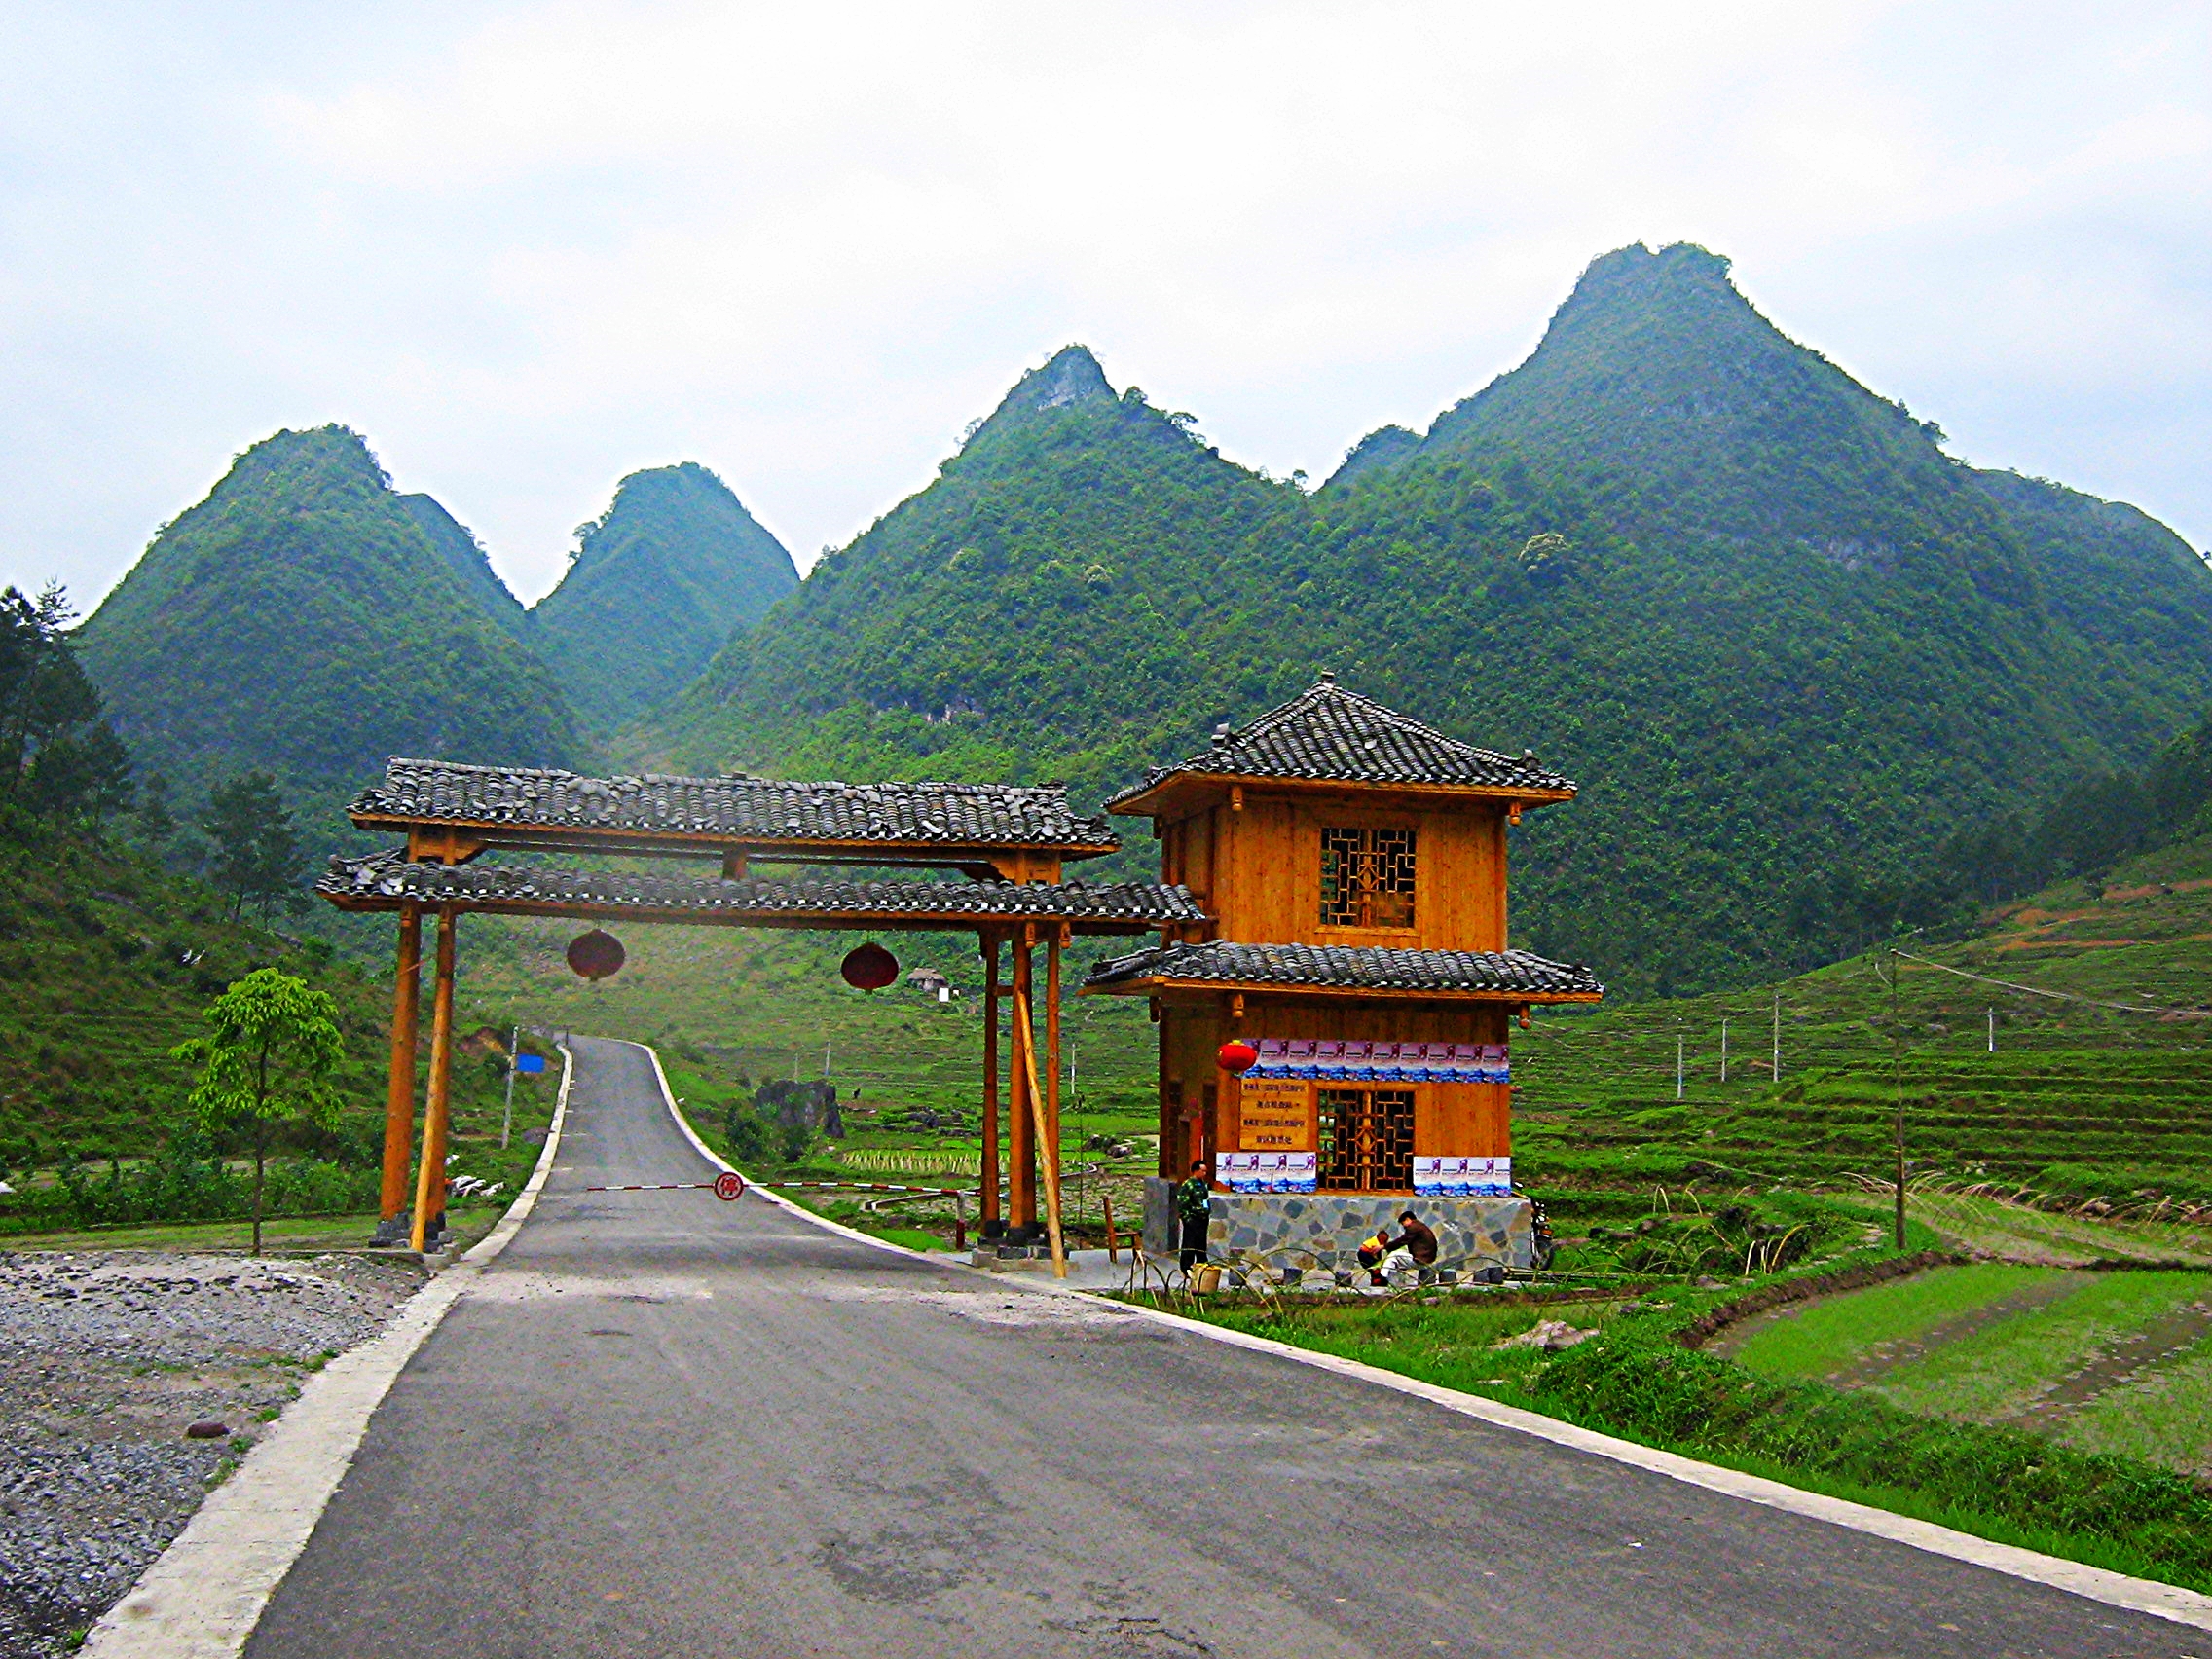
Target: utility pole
(1678, 1065)
(507, 1116)
(1993, 1031)
(1723, 1048)
(1897, 1070)
(1777, 1037)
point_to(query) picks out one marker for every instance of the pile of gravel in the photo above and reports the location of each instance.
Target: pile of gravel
(106, 1359)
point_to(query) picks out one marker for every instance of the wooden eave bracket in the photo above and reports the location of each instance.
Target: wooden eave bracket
(1169, 798)
(1201, 990)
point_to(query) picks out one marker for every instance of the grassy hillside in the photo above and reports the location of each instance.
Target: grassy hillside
(108, 960)
(659, 583)
(2077, 1098)
(1776, 631)
(300, 621)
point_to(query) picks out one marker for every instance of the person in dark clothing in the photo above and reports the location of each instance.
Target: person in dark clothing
(1413, 1247)
(1194, 1211)
(1417, 1238)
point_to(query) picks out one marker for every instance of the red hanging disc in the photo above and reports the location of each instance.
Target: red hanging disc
(869, 967)
(595, 955)
(1238, 1055)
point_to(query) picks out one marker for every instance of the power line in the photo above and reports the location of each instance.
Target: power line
(2060, 996)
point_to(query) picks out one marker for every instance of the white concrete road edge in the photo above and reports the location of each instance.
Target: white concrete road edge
(203, 1595)
(2098, 1584)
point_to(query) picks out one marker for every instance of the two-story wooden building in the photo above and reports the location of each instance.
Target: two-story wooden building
(1353, 864)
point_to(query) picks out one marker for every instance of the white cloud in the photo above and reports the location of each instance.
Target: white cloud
(529, 249)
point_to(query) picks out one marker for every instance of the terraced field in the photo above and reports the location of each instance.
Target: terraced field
(2107, 1361)
(2074, 1097)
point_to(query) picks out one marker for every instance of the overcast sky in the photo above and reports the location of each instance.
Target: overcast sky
(526, 249)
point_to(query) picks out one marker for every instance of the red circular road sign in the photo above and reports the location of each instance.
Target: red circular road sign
(729, 1186)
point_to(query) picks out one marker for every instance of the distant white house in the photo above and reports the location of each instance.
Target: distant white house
(930, 980)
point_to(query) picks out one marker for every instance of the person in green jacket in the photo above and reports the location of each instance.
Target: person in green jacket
(1193, 1210)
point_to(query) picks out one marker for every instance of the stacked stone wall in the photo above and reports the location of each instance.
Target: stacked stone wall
(1323, 1231)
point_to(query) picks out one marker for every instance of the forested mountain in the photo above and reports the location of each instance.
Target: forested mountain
(464, 556)
(657, 587)
(301, 622)
(1776, 631)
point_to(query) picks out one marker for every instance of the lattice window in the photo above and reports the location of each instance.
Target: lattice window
(1367, 878)
(1366, 1139)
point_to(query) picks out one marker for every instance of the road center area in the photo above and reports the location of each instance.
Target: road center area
(660, 1423)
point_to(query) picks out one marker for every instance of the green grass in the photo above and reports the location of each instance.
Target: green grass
(1995, 1371)
(1634, 1381)
(2165, 1418)
(1821, 1338)
(913, 1238)
(281, 1234)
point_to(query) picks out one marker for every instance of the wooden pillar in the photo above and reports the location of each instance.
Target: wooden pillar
(399, 1090)
(1021, 1128)
(431, 1173)
(1052, 1147)
(993, 1225)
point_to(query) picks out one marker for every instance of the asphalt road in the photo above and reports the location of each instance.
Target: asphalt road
(666, 1426)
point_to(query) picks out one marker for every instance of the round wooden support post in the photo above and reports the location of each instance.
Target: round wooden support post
(1022, 1105)
(987, 1194)
(399, 1090)
(431, 1173)
(1051, 1148)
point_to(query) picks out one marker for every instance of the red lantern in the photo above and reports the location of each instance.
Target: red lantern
(595, 955)
(1237, 1057)
(869, 967)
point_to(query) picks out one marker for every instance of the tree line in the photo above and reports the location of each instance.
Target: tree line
(2096, 820)
(61, 760)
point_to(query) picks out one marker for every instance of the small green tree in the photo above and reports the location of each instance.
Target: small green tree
(271, 1045)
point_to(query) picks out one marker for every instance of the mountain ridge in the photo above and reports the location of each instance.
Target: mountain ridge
(1754, 605)
(657, 585)
(299, 620)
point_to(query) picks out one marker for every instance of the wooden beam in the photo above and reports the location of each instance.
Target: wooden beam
(730, 916)
(1028, 1047)
(431, 1173)
(480, 833)
(989, 945)
(399, 1086)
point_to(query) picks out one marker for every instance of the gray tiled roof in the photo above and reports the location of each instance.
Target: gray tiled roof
(1331, 967)
(739, 807)
(1329, 733)
(384, 882)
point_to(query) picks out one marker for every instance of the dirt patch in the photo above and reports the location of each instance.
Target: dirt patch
(2127, 1358)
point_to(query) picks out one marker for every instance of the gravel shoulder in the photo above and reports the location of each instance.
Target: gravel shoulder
(106, 1359)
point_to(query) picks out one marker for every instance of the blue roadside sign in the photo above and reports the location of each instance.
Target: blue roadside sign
(530, 1062)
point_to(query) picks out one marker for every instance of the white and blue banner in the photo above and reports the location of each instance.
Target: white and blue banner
(1328, 1059)
(1462, 1177)
(1267, 1171)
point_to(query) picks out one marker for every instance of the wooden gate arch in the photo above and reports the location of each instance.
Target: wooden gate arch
(986, 858)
